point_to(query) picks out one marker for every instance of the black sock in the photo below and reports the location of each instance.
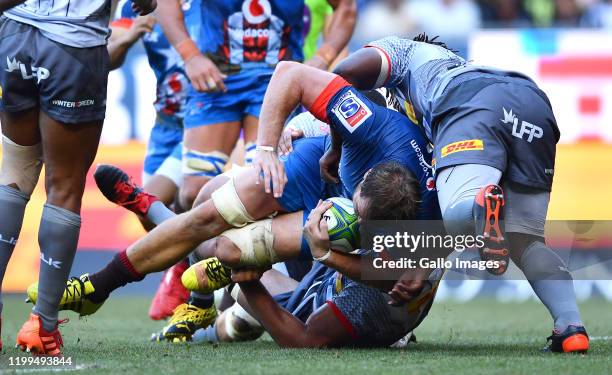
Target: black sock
(203, 301)
(117, 273)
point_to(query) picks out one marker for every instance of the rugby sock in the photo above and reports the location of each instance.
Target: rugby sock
(552, 283)
(208, 334)
(117, 273)
(158, 213)
(203, 301)
(12, 205)
(58, 237)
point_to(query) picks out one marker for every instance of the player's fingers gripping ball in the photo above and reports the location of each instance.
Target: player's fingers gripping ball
(342, 225)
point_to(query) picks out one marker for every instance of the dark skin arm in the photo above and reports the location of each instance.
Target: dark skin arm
(407, 287)
(144, 7)
(322, 329)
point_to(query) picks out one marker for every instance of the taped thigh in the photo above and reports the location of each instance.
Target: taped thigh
(230, 207)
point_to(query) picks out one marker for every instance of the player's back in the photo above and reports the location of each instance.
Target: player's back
(76, 23)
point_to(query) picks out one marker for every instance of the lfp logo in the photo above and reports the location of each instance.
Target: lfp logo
(352, 112)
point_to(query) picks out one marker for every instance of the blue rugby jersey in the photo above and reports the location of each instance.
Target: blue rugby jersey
(251, 33)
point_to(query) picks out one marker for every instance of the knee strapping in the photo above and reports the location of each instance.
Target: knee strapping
(203, 164)
(240, 325)
(256, 243)
(229, 205)
(21, 165)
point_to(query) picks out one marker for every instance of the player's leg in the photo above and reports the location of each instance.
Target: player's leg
(206, 150)
(19, 172)
(69, 150)
(236, 323)
(259, 244)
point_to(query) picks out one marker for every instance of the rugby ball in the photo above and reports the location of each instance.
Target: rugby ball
(342, 225)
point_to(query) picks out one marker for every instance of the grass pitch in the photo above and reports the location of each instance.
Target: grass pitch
(480, 337)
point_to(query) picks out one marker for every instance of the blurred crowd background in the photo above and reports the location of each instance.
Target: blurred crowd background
(455, 20)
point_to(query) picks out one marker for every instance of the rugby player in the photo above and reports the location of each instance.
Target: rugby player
(229, 64)
(381, 135)
(53, 104)
(491, 129)
(162, 165)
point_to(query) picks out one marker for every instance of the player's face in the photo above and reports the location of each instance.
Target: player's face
(359, 203)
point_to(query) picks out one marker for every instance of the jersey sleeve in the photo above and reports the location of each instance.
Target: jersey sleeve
(396, 53)
(367, 313)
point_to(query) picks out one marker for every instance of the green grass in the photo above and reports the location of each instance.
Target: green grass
(482, 337)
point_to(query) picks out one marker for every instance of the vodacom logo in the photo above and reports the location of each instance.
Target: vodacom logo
(256, 11)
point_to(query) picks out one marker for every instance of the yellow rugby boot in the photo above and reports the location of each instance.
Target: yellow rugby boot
(206, 276)
(75, 296)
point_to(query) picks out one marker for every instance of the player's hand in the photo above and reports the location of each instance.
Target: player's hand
(244, 275)
(204, 74)
(268, 163)
(144, 7)
(285, 144)
(141, 26)
(329, 165)
(317, 62)
(408, 287)
(315, 230)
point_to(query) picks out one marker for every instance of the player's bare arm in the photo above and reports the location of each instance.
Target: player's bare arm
(291, 84)
(362, 69)
(122, 39)
(201, 71)
(337, 34)
(322, 329)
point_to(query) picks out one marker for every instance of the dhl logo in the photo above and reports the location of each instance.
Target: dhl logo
(469, 145)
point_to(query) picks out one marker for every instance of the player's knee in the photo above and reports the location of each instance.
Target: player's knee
(21, 165)
(188, 193)
(209, 188)
(227, 253)
(64, 189)
(458, 216)
(239, 325)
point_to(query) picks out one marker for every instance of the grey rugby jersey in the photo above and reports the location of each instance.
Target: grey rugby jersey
(76, 23)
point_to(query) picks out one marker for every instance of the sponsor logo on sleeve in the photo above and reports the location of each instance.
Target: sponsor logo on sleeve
(468, 145)
(351, 111)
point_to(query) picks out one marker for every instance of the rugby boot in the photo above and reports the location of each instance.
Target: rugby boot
(75, 296)
(33, 338)
(488, 211)
(207, 276)
(170, 292)
(119, 188)
(185, 321)
(573, 340)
